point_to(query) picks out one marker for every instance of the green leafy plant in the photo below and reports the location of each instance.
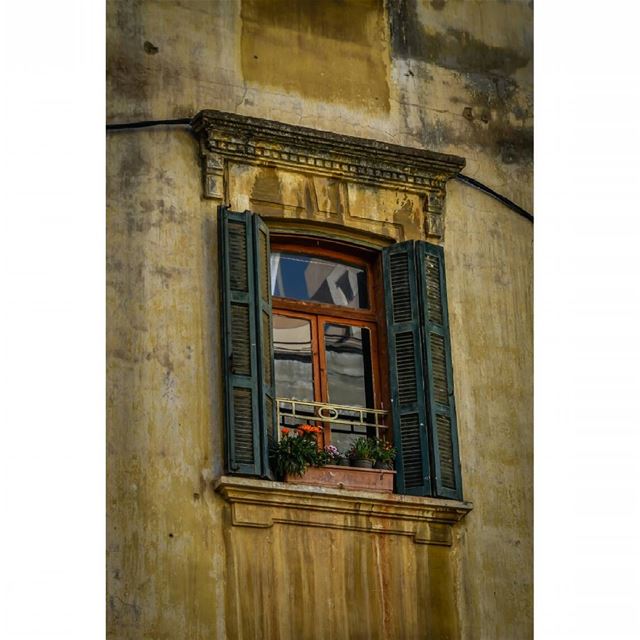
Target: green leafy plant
(362, 449)
(296, 451)
(383, 452)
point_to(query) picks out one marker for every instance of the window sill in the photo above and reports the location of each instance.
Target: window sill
(261, 503)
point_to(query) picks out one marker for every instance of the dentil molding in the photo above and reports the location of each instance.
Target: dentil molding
(256, 141)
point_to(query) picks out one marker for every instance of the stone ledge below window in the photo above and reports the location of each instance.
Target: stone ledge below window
(262, 503)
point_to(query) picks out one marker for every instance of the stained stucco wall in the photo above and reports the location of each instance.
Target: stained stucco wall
(452, 76)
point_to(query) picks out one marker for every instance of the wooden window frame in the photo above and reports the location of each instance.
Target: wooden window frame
(320, 314)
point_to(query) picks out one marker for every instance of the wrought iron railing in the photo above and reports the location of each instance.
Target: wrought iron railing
(291, 412)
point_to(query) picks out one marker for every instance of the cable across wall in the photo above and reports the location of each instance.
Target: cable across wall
(466, 180)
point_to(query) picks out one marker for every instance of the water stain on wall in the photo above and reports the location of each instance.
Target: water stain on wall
(331, 51)
(455, 49)
(497, 110)
(267, 191)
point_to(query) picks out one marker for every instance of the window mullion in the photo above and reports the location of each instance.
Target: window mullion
(322, 375)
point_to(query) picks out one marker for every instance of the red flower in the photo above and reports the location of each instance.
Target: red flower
(284, 430)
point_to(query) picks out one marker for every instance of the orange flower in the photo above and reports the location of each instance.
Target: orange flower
(284, 431)
(307, 428)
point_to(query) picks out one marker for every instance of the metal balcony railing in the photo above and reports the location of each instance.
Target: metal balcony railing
(343, 418)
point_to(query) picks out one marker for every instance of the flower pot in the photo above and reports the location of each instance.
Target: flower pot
(383, 465)
(343, 462)
(362, 463)
(339, 477)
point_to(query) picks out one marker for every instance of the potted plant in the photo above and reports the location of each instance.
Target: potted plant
(334, 456)
(298, 460)
(361, 453)
(383, 454)
(296, 451)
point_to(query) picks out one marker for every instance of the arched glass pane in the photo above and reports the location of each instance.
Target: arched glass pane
(314, 279)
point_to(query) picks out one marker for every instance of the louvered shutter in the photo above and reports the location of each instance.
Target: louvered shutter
(439, 375)
(408, 399)
(265, 336)
(243, 245)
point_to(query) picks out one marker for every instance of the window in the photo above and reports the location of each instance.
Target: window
(313, 324)
(326, 328)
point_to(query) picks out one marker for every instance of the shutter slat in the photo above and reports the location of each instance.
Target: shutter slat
(240, 341)
(405, 359)
(434, 296)
(243, 426)
(408, 402)
(412, 455)
(439, 368)
(445, 449)
(238, 256)
(439, 373)
(400, 289)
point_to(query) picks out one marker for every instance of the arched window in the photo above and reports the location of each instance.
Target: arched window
(327, 332)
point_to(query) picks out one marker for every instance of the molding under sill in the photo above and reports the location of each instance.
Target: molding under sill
(261, 503)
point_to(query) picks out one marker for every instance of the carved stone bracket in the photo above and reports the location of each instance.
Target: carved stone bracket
(213, 164)
(322, 153)
(434, 214)
(262, 503)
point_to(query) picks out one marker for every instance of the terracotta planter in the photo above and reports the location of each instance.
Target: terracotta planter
(347, 478)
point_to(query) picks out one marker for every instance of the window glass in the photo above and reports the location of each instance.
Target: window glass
(315, 279)
(349, 378)
(293, 357)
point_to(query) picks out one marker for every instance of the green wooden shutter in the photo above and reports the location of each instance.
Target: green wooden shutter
(406, 376)
(244, 424)
(439, 375)
(265, 337)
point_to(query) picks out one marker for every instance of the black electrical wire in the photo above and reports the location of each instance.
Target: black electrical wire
(464, 179)
(494, 194)
(147, 123)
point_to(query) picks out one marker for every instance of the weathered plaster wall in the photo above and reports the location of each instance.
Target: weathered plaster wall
(164, 530)
(453, 76)
(489, 261)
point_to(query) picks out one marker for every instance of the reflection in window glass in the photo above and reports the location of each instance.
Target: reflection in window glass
(293, 357)
(349, 376)
(318, 280)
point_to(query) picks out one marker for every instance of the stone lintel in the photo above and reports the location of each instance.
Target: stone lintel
(261, 503)
(227, 136)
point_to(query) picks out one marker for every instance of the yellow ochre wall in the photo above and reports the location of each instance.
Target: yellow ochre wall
(453, 76)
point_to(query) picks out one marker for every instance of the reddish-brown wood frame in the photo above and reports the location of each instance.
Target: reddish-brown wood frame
(319, 314)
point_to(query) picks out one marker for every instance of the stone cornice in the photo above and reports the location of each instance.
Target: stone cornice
(261, 503)
(271, 143)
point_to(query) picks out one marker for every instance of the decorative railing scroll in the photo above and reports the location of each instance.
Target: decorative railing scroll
(292, 412)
